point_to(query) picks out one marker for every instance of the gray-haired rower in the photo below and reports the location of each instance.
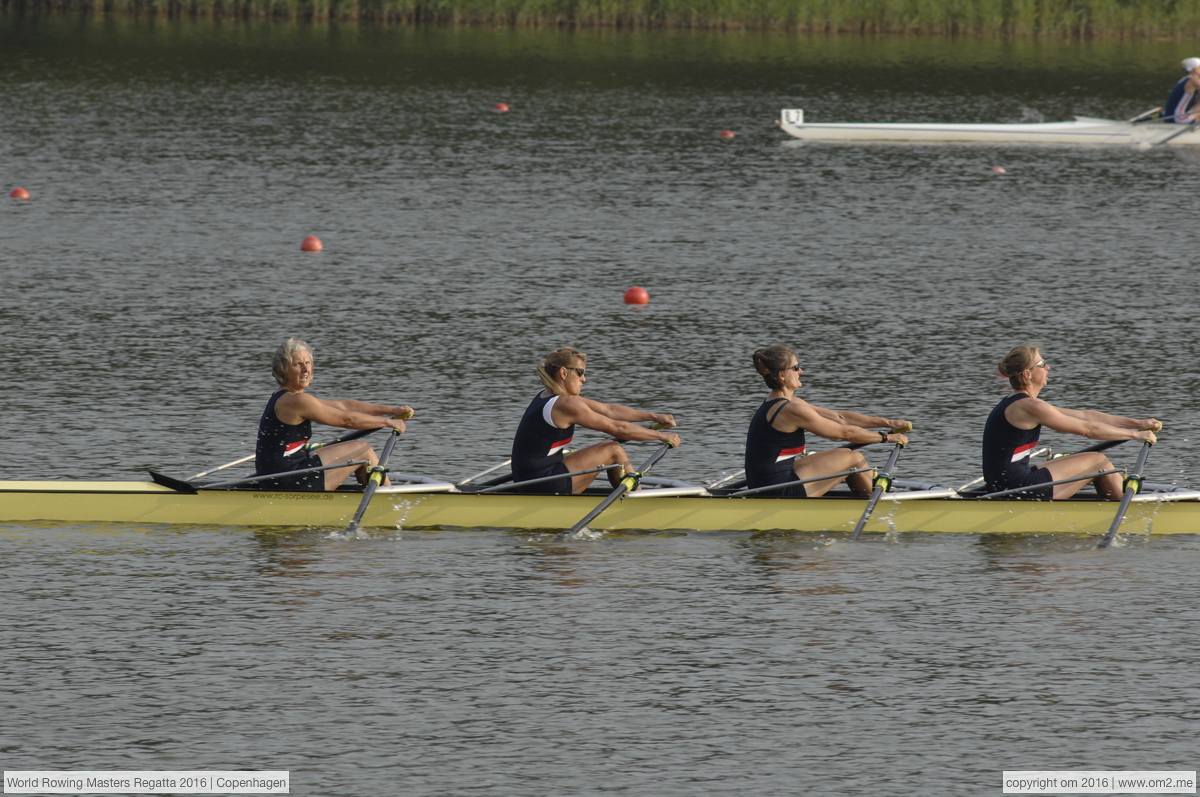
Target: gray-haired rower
(286, 426)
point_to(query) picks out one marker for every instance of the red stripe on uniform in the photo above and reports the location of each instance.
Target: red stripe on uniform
(1021, 451)
(789, 452)
(292, 448)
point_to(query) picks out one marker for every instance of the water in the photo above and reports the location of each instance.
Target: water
(175, 167)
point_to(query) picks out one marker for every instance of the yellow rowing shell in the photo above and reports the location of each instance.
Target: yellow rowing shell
(142, 502)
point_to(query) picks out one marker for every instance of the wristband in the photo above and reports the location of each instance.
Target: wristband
(883, 437)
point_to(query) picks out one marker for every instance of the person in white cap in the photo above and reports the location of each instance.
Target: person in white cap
(1183, 103)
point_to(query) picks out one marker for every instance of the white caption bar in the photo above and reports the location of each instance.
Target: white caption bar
(146, 782)
(1041, 781)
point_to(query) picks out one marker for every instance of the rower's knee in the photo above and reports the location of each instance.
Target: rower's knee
(614, 453)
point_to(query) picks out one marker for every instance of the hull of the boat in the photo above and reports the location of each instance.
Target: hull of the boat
(143, 503)
(1081, 131)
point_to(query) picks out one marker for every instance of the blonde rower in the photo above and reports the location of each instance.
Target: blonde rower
(1015, 424)
(548, 426)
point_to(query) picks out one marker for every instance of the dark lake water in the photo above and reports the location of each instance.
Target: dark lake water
(175, 167)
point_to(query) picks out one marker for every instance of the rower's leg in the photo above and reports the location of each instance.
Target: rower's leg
(833, 461)
(347, 452)
(610, 452)
(1079, 464)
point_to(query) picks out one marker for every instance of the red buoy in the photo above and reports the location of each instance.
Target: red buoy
(727, 135)
(999, 170)
(500, 108)
(636, 295)
(311, 244)
(19, 193)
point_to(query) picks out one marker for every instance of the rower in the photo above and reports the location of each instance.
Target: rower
(1183, 103)
(286, 427)
(775, 442)
(1015, 424)
(548, 426)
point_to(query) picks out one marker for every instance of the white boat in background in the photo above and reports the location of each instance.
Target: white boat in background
(1084, 130)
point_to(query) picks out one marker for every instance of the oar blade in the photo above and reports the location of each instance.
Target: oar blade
(866, 515)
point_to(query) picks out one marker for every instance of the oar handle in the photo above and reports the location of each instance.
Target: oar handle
(1103, 445)
(357, 434)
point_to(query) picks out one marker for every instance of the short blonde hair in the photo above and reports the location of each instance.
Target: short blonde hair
(284, 357)
(566, 357)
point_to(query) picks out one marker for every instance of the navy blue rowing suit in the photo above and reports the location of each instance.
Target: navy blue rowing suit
(770, 453)
(280, 448)
(537, 448)
(1179, 101)
(1006, 451)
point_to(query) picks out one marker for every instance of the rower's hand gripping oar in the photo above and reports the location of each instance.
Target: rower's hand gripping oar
(1133, 486)
(376, 478)
(628, 483)
(883, 481)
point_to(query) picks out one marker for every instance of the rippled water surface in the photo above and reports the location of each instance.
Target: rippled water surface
(174, 169)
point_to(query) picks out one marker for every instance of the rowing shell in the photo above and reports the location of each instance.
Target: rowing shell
(434, 505)
(1084, 130)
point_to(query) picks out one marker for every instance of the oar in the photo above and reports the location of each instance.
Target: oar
(849, 447)
(483, 473)
(1174, 136)
(1133, 485)
(502, 486)
(187, 487)
(376, 478)
(1103, 445)
(308, 449)
(507, 462)
(222, 467)
(1144, 115)
(1054, 483)
(882, 482)
(630, 482)
(781, 485)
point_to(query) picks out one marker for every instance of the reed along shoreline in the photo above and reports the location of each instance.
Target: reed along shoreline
(1120, 19)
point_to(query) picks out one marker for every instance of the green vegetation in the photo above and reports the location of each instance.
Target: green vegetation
(1172, 19)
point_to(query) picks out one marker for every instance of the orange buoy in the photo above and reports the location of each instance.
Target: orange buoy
(311, 244)
(19, 193)
(728, 135)
(636, 295)
(999, 170)
(500, 108)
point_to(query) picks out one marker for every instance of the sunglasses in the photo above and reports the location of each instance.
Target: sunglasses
(1040, 364)
(581, 371)
(795, 368)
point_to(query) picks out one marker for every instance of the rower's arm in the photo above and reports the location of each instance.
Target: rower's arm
(1093, 416)
(368, 408)
(802, 415)
(578, 410)
(1085, 423)
(303, 407)
(622, 413)
(858, 419)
